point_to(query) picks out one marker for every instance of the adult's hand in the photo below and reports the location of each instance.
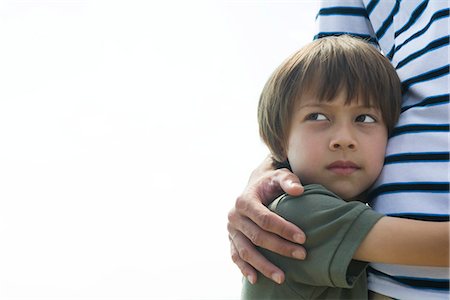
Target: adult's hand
(251, 223)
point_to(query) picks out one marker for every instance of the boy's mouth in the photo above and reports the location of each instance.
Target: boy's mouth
(343, 167)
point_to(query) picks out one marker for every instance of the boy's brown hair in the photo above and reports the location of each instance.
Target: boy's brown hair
(323, 69)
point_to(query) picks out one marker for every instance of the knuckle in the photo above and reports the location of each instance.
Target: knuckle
(255, 238)
(235, 257)
(278, 172)
(231, 217)
(285, 174)
(285, 232)
(281, 175)
(283, 171)
(231, 232)
(264, 220)
(243, 254)
(241, 203)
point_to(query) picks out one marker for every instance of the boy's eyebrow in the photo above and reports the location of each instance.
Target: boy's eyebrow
(310, 105)
(326, 104)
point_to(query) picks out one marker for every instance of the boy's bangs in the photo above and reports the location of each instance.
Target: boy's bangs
(327, 81)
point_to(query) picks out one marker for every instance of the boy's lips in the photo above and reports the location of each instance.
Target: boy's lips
(343, 167)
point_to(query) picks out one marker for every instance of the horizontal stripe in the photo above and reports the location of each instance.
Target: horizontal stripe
(422, 217)
(365, 37)
(417, 128)
(403, 42)
(429, 283)
(414, 16)
(430, 47)
(417, 157)
(343, 11)
(430, 101)
(436, 16)
(433, 74)
(410, 187)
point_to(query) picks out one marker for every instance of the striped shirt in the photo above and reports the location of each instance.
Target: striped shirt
(414, 35)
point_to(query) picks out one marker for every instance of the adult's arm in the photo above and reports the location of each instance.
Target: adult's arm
(392, 240)
(406, 242)
(251, 223)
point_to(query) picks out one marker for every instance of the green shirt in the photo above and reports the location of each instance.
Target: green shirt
(334, 229)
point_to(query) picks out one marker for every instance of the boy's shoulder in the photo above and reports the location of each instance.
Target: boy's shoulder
(312, 192)
(312, 189)
(312, 203)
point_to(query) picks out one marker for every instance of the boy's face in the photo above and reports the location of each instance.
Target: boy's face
(339, 146)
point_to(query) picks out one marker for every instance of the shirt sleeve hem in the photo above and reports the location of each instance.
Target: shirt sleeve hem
(343, 270)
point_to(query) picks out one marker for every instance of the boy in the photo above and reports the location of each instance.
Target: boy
(326, 114)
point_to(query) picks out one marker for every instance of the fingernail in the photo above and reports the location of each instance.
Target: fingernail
(277, 278)
(251, 279)
(293, 183)
(298, 254)
(299, 238)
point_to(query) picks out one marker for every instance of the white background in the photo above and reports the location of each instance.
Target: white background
(127, 129)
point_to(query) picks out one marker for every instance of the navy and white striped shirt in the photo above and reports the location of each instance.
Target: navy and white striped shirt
(414, 183)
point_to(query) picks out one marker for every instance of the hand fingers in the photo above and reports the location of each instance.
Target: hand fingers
(246, 269)
(288, 182)
(265, 219)
(267, 240)
(245, 255)
(251, 223)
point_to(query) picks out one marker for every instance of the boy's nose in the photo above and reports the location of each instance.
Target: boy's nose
(342, 145)
(343, 140)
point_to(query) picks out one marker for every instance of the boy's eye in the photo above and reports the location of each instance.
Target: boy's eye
(365, 119)
(316, 117)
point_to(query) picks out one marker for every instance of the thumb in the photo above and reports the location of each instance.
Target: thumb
(291, 184)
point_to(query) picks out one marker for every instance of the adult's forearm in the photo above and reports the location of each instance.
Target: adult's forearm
(406, 242)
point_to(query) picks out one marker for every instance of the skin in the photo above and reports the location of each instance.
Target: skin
(250, 223)
(406, 242)
(341, 146)
(392, 240)
(335, 133)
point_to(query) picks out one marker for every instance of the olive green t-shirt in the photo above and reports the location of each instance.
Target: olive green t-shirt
(334, 229)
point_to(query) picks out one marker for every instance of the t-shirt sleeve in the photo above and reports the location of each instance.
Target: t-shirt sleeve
(334, 230)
